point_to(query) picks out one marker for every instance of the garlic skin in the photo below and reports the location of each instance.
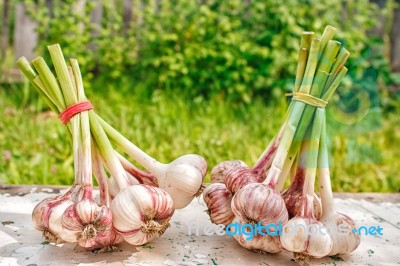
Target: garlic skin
(219, 171)
(141, 212)
(183, 178)
(259, 243)
(41, 216)
(303, 244)
(47, 215)
(292, 198)
(85, 220)
(342, 244)
(55, 220)
(257, 202)
(218, 200)
(239, 177)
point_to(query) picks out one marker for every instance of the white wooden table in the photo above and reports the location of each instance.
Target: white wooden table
(20, 244)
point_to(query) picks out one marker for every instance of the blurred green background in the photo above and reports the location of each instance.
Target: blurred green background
(205, 77)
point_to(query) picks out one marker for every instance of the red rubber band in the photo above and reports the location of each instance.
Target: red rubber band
(74, 109)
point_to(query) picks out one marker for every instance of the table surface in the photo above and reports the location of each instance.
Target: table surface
(20, 244)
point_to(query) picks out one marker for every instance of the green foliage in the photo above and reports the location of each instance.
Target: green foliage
(233, 49)
(35, 149)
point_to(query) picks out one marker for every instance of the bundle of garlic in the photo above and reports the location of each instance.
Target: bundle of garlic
(255, 195)
(134, 206)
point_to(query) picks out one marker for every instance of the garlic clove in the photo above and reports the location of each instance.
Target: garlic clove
(219, 171)
(257, 202)
(342, 243)
(239, 177)
(218, 200)
(55, 221)
(319, 244)
(86, 219)
(141, 213)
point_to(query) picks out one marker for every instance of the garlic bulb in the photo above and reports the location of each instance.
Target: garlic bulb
(218, 200)
(141, 212)
(239, 177)
(219, 171)
(183, 179)
(316, 244)
(258, 243)
(85, 219)
(304, 235)
(257, 202)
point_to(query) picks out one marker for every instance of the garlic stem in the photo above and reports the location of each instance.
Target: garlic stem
(339, 63)
(305, 44)
(103, 143)
(265, 160)
(85, 163)
(302, 114)
(50, 82)
(294, 117)
(142, 176)
(313, 152)
(324, 175)
(28, 71)
(62, 74)
(132, 150)
(101, 176)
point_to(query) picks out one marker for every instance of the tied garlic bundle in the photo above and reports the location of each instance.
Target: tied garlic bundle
(135, 205)
(75, 217)
(242, 194)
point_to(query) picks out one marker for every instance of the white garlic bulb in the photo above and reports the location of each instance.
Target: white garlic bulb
(141, 213)
(183, 179)
(305, 236)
